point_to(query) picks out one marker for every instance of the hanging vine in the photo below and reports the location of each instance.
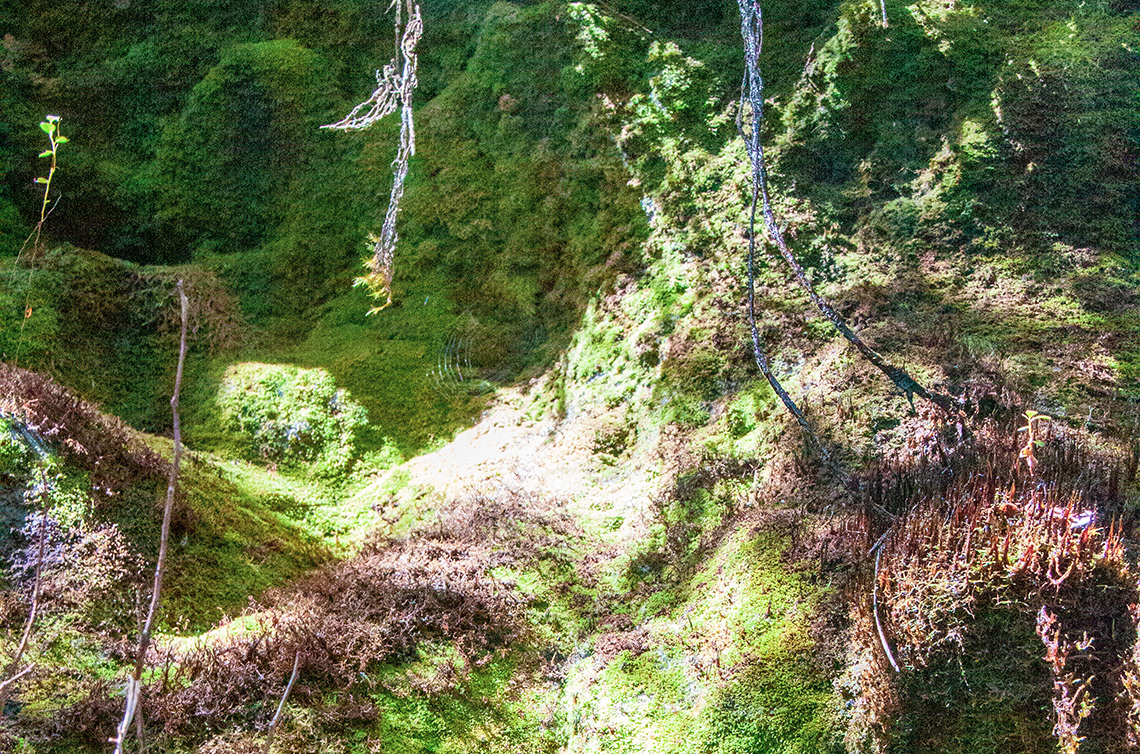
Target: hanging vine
(395, 85)
(752, 95)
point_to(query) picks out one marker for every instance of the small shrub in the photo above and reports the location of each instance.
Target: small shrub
(289, 414)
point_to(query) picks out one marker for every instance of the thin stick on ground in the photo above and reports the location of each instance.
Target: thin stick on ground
(4, 686)
(281, 705)
(875, 609)
(11, 673)
(134, 683)
(752, 30)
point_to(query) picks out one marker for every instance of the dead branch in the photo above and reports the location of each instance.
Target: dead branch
(875, 608)
(134, 684)
(281, 705)
(13, 679)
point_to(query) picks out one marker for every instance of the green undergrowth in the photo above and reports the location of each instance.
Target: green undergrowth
(238, 528)
(956, 182)
(500, 707)
(249, 529)
(720, 662)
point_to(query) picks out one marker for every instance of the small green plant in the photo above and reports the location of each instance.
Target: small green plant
(50, 126)
(1031, 442)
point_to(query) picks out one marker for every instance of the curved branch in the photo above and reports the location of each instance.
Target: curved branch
(752, 30)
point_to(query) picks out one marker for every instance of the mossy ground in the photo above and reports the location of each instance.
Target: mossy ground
(958, 183)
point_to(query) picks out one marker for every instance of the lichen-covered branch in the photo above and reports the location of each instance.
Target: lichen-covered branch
(395, 85)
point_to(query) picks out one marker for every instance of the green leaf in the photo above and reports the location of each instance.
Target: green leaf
(53, 118)
(46, 153)
(41, 180)
(61, 140)
(46, 127)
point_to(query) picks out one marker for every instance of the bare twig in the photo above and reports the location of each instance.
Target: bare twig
(13, 679)
(30, 623)
(281, 705)
(755, 148)
(875, 610)
(134, 684)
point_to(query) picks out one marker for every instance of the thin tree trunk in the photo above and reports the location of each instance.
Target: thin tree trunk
(134, 684)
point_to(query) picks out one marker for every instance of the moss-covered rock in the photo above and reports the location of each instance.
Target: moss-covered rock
(290, 415)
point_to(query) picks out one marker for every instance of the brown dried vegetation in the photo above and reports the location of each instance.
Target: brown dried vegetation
(105, 447)
(980, 554)
(346, 621)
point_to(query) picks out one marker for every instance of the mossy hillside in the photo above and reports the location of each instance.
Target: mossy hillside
(249, 529)
(520, 200)
(291, 415)
(1003, 656)
(725, 664)
(108, 329)
(910, 298)
(238, 528)
(861, 245)
(124, 81)
(501, 279)
(848, 141)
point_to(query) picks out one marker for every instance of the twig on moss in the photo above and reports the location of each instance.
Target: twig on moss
(754, 147)
(4, 685)
(875, 606)
(281, 705)
(134, 684)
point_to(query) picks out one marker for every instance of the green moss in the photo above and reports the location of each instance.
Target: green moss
(290, 414)
(494, 708)
(726, 664)
(1002, 655)
(244, 529)
(29, 314)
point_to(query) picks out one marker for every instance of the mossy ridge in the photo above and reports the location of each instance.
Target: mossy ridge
(723, 665)
(249, 529)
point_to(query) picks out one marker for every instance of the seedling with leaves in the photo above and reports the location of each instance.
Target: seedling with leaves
(50, 126)
(1031, 441)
